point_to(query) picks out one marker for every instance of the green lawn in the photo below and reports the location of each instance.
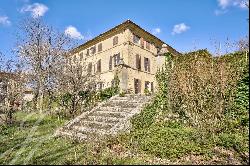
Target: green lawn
(30, 141)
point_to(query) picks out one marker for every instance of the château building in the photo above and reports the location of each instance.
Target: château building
(128, 50)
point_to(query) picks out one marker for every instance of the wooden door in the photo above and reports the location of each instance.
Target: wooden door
(137, 85)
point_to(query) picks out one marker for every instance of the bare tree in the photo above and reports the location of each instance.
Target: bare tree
(243, 44)
(76, 78)
(12, 83)
(41, 48)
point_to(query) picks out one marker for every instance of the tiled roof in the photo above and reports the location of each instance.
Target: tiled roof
(125, 24)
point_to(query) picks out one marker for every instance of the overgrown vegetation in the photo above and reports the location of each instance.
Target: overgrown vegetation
(179, 122)
(202, 105)
(30, 141)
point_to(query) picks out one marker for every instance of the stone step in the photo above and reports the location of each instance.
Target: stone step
(102, 119)
(108, 114)
(83, 129)
(95, 124)
(127, 100)
(121, 104)
(107, 118)
(131, 97)
(115, 109)
(71, 134)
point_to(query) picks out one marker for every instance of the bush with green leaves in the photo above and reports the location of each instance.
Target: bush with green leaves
(202, 102)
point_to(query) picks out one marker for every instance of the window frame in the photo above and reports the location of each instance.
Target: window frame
(99, 47)
(147, 64)
(99, 66)
(81, 56)
(136, 39)
(115, 40)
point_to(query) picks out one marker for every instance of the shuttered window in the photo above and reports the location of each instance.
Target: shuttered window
(99, 69)
(89, 70)
(99, 47)
(142, 42)
(147, 45)
(137, 86)
(87, 53)
(110, 63)
(116, 59)
(115, 40)
(81, 56)
(138, 62)
(93, 50)
(152, 87)
(147, 64)
(147, 84)
(74, 59)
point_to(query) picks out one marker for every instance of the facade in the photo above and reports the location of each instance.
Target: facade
(128, 51)
(8, 84)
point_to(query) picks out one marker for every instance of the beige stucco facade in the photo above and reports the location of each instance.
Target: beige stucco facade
(127, 50)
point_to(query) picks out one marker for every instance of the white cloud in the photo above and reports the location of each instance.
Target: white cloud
(220, 12)
(156, 31)
(223, 4)
(180, 28)
(36, 9)
(4, 20)
(73, 33)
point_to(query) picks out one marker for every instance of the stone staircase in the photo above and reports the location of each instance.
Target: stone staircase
(108, 118)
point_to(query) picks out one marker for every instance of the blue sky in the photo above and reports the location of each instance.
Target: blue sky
(183, 24)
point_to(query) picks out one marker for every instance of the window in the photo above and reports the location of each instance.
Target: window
(147, 64)
(81, 56)
(147, 45)
(113, 83)
(137, 86)
(152, 87)
(87, 53)
(147, 83)
(158, 49)
(74, 59)
(116, 59)
(99, 69)
(142, 42)
(93, 50)
(138, 62)
(100, 85)
(115, 40)
(99, 47)
(89, 70)
(136, 39)
(110, 63)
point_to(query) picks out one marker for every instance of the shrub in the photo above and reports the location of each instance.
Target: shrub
(202, 102)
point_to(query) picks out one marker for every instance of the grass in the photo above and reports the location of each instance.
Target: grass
(30, 141)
